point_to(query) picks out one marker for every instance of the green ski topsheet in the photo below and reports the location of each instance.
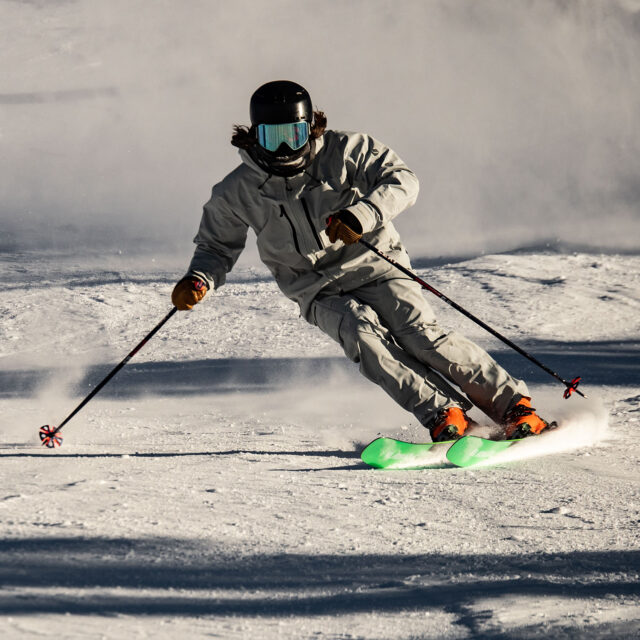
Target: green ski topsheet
(470, 450)
(388, 453)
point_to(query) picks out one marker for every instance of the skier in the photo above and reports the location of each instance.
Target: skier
(310, 194)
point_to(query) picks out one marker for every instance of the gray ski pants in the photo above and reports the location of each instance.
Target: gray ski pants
(388, 327)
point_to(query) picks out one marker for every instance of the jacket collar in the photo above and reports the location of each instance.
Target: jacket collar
(265, 175)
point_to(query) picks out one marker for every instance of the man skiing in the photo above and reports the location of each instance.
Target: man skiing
(310, 194)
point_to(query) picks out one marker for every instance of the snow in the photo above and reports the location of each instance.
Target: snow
(214, 488)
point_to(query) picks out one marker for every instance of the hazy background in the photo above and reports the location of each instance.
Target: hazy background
(521, 118)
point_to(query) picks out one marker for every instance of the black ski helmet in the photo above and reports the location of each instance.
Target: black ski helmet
(280, 102)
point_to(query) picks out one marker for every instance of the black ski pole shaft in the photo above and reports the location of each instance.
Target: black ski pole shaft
(570, 386)
(51, 433)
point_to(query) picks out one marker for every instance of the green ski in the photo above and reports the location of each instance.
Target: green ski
(388, 453)
(470, 450)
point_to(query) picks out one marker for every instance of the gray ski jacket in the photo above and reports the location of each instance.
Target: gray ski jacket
(288, 215)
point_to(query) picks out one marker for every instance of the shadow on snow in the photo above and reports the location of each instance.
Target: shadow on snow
(599, 363)
(306, 453)
(286, 584)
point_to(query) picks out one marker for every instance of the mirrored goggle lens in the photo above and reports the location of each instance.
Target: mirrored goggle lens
(271, 136)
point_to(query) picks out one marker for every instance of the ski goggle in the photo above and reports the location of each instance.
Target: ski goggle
(294, 134)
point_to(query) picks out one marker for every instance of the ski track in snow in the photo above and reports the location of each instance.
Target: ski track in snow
(214, 487)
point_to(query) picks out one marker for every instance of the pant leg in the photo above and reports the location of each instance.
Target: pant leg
(366, 341)
(402, 307)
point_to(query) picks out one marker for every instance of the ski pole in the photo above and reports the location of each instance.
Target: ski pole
(570, 386)
(50, 435)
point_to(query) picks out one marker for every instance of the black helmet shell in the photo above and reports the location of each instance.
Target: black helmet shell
(280, 102)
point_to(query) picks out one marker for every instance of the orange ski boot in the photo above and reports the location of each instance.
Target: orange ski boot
(522, 421)
(449, 425)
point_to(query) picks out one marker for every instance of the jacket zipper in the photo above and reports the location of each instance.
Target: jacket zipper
(313, 229)
(283, 212)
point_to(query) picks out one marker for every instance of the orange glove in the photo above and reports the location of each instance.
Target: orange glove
(344, 226)
(187, 293)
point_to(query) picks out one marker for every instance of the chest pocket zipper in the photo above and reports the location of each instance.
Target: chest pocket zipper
(283, 213)
(313, 229)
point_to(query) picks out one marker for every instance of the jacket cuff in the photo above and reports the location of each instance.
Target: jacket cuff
(366, 214)
(208, 280)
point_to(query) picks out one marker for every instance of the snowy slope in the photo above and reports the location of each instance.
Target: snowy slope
(214, 488)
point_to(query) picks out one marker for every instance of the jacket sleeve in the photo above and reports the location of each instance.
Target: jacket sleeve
(220, 240)
(388, 185)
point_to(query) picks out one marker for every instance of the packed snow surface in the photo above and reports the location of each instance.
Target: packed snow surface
(214, 487)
